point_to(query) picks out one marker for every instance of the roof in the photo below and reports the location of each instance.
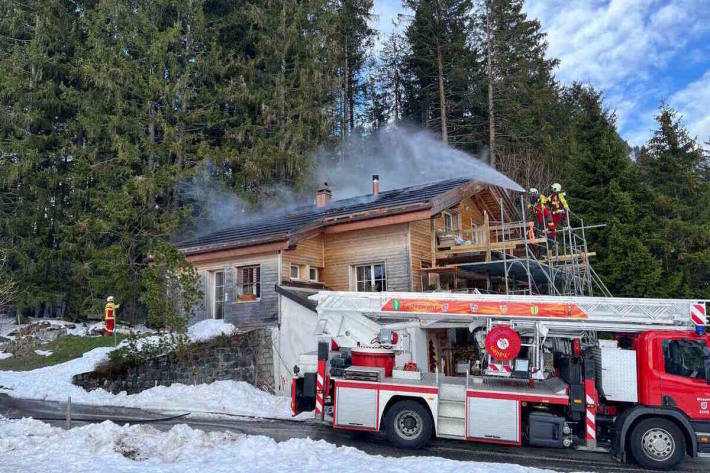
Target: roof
(278, 226)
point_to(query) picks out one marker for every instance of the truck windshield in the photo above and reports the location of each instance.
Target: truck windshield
(685, 358)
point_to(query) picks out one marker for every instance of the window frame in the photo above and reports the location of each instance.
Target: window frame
(310, 276)
(256, 283)
(215, 302)
(373, 280)
(298, 272)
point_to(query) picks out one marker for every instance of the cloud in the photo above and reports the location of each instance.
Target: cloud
(628, 48)
(693, 101)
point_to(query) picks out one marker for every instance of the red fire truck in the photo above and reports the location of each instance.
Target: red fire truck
(626, 376)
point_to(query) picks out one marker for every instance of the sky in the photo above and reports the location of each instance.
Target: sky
(638, 52)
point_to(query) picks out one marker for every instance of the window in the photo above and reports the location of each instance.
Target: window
(448, 222)
(219, 294)
(295, 272)
(313, 274)
(685, 357)
(249, 282)
(371, 278)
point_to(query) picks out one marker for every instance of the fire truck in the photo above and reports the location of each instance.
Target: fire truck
(619, 375)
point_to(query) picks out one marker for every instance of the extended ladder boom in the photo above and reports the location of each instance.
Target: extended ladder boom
(579, 313)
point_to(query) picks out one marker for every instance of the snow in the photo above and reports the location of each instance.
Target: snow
(210, 328)
(43, 352)
(29, 445)
(53, 383)
(4, 355)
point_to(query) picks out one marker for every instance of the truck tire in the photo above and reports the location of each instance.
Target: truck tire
(657, 444)
(408, 424)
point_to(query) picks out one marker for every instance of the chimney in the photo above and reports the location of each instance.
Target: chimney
(323, 195)
(375, 184)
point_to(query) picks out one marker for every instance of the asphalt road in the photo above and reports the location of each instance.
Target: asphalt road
(376, 444)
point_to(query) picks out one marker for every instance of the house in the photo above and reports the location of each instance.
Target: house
(418, 238)
(397, 240)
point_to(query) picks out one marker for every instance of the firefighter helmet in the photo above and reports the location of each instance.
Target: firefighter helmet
(556, 187)
(109, 299)
(533, 191)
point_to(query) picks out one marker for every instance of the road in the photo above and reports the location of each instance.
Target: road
(375, 444)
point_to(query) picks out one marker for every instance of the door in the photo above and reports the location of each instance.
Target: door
(683, 382)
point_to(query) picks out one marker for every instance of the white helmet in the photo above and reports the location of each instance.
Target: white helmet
(109, 299)
(556, 187)
(533, 191)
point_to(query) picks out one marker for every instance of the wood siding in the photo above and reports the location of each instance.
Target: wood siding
(420, 249)
(242, 314)
(389, 244)
(307, 252)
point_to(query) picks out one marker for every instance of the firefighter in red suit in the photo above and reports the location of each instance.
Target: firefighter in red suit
(559, 207)
(110, 316)
(538, 203)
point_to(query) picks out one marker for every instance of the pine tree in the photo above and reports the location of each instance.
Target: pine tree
(599, 179)
(523, 93)
(674, 169)
(444, 77)
(391, 75)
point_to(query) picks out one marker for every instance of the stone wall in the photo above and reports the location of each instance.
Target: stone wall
(243, 357)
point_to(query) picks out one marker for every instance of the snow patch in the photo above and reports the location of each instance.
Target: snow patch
(4, 355)
(53, 383)
(31, 446)
(209, 328)
(43, 352)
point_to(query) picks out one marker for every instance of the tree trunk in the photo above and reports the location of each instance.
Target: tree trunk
(396, 82)
(440, 65)
(491, 114)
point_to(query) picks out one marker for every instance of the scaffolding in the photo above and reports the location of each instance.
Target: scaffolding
(522, 255)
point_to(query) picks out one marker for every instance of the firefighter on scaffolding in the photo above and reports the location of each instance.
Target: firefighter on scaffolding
(110, 315)
(559, 208)
(543, 217)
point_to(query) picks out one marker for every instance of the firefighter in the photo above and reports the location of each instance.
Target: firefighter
(538, 203)
(110, 315)
(559, 207)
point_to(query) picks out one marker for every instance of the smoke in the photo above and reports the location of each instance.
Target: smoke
(401, 157)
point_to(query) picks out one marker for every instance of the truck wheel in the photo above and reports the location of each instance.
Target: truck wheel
(657, 444)
(408, 424)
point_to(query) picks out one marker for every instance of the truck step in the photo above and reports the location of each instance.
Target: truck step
(451, 427)
(452, 392)
(455, 409)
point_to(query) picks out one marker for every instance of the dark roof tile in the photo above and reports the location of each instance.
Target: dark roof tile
(286, 222)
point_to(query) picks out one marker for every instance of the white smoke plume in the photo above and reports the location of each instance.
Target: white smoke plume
(401, 157)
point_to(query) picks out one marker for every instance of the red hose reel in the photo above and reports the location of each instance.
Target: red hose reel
(503, 343)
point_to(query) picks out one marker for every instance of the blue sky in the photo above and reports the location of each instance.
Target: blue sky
(639, 52)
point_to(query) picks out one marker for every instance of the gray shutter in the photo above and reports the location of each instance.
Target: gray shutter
(207, 300)
(230, 284)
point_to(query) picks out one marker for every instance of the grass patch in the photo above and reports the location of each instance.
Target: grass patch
(63, 349)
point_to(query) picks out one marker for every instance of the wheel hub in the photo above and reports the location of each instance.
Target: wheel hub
(658, 444)
(408, 424)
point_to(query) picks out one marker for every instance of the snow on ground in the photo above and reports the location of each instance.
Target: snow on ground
(53, 383)
(209, 328)
(4, 355)
(29, 445)
(43, 352)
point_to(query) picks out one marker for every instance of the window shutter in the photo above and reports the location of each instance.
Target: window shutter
(230, 284)
(204, 311)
